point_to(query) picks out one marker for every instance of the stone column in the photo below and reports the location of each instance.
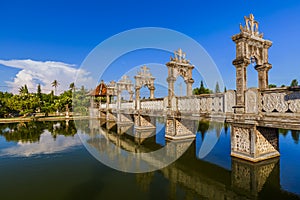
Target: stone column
(137, 98)
(263, 71)
(152, 88)
(171, 81)
(131, 96)
(241, 83)
(107, 101)
(189, 90)
(119, 99)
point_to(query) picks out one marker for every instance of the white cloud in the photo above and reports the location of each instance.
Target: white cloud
(33, 73)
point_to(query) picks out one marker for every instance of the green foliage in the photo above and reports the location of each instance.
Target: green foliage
(25, 103)
(294, 83)
(272, 86)
(201, 90)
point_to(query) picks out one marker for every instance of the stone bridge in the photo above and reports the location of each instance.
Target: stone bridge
(255, 114)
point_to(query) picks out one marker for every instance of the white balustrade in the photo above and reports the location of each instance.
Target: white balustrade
(281, 101)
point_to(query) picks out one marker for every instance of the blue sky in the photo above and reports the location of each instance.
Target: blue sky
(64, 32)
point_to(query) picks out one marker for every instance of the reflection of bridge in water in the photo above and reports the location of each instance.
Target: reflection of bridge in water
(199, 178)
(255, 114)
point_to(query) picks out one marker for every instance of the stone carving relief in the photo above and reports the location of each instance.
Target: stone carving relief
(229, 101)
(267, 140)
(152, 105)
(241, 140)
(294, 101)
(251, 101)
(144, 78)
(277, 102)
(251, 26)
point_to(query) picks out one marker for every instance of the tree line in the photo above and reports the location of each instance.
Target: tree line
(26, 103)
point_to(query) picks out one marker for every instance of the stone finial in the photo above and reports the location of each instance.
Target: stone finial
(144, 72)
(180, 56)
(251, 26)
(125, 79)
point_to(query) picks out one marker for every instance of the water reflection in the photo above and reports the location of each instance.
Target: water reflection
(34, 138)
(216, 176)
(121, 147)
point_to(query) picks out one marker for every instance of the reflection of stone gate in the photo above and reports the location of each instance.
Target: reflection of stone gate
(179, 66)
(143, 78)
(250, 48)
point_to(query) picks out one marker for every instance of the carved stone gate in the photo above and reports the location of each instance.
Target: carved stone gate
(179, 66)
(143, 78)
(250, 48)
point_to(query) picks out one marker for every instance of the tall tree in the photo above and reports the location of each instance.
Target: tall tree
(39, 91)
(217, 89)
(202, 88)
(294, 83)
(55, 85)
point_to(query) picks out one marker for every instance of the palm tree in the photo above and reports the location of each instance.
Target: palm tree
(23, 90)
(55, 85)
(72, 86)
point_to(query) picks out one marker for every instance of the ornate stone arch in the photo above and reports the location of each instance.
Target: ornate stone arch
(143, 78)
(250, 48)
(179, 66)
(124, 84)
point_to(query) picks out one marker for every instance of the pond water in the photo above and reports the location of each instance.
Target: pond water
(47, 160)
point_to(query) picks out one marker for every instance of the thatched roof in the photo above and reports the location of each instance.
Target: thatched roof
(99, 91)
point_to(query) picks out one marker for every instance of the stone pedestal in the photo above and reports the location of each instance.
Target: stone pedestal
(177, 128)
(144, 121)
(253, 143)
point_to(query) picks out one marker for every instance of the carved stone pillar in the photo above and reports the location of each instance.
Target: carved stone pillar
(119, 99)
(170, 81)
(189, 89)
(107, 101)
(263, 71)
(131, 96)
(137, 98)
(152, 88)
(241, 83)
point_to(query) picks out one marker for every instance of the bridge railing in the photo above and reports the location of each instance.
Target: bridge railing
(128, 105)
(201, 103)
(280, 100)
(153, 104)
(208, 103)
